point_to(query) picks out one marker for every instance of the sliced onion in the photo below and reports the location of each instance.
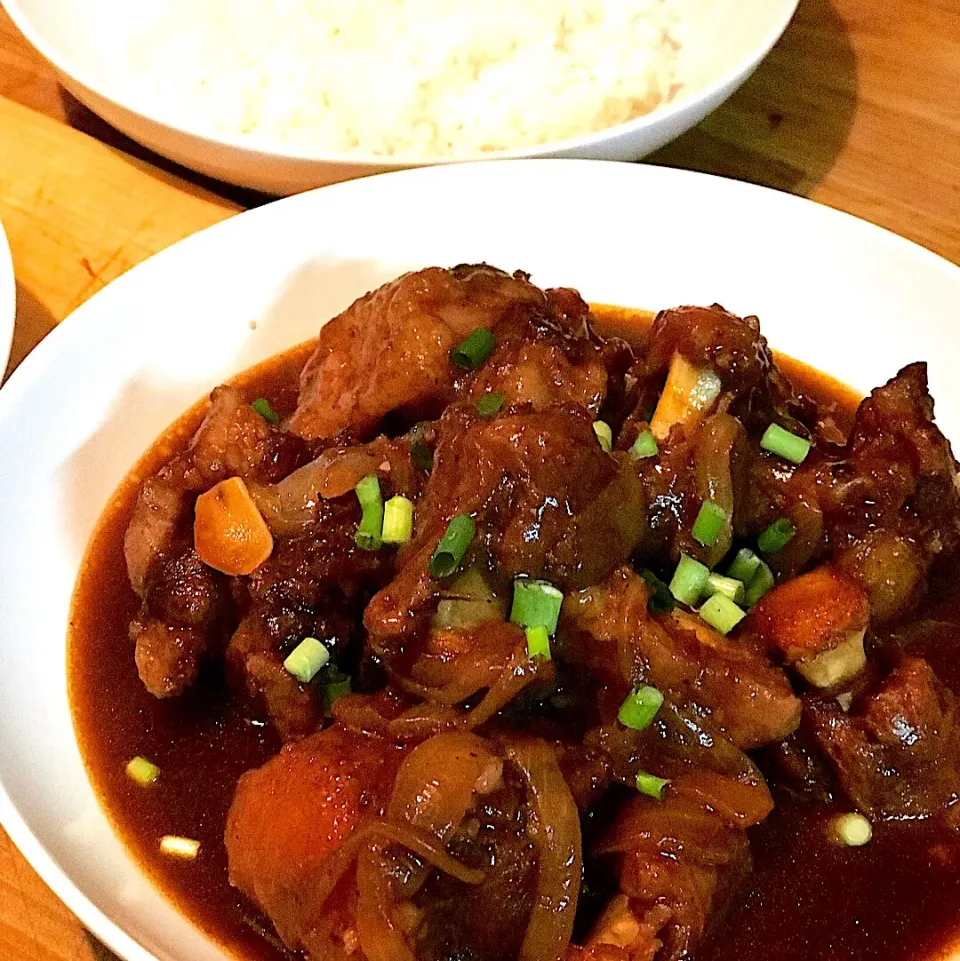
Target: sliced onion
(555, 826)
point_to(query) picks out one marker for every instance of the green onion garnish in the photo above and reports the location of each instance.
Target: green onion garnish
(177, 847)
(306, 659)
(744, 565)
(776, 536)
(262, 406)
(651, 785)
(709, 523)
(761, 582)
(538, 642)
(689, 580)
(644, 446)
(397, 520)
(421, 453)
(452, 546)
(472, 352)
(727, 586)
(660, 600)
(721, 613)
(369, 531)
(536, 604)
(490, 404)
(853, 830)
(142, 771)
(604, 434)
(781, 442)
(640, 708)
(336, 685)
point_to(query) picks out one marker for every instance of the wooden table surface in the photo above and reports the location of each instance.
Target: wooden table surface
(857, 107)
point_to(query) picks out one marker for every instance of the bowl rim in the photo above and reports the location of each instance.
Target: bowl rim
(8, 302)
(662, 114)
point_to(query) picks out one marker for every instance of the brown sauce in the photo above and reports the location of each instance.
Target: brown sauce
(807, 899)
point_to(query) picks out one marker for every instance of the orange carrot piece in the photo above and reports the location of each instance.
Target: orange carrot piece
(229, 533)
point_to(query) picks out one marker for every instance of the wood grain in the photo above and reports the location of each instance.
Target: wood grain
(858, 107)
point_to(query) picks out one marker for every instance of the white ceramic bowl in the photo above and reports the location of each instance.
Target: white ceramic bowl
(845, 296)
(81, 39)
(8, 301)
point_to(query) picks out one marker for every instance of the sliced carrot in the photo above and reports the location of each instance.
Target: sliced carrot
(687, 396)
(229, 533)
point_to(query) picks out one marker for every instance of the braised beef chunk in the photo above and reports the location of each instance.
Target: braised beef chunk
(551, 743)
(896, 753)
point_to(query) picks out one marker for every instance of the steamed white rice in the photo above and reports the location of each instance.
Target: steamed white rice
(410, 77)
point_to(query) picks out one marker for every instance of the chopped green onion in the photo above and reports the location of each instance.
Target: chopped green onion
(640, 708)
(397, 520)
(721, 613)
(689, 580)
(776, 536)
(336, 685)
(538, 642)
(262, 406)
(177, 847)
(781, 442)
(761, 582)
(490, 404)
(651, 785)
(452, 546)
(853, 830)
(536, 604)
(421, 453)
(306, 659)
(472, 352)
(709, 523)
(604, 434)
(644, 446)
(369, 531)
(142, 771)
(660, 600)
(744, 565)
(727, 586)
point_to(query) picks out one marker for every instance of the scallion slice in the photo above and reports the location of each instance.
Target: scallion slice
(490, 404)
(397, 520)
(689, 580)
(336, 685)
(644, 446)
(709, 523)
(452, 546)
(721, 613)
(789, 446)
(727, 586)
(538, 643)
(421, 453)
(262, 406)
(744, 565)
(776, 536)
(660, 600)
(651, 785)
(640, 708)
(761, 582)
(177, 847)
(142, 771)
(536, 604)
(368, 536)
(604, 434)
(472, 352)
(306, 659)
(853, 830)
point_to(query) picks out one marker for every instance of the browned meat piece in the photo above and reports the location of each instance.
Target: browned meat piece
(233, 440)
(679, 861)
(168, 656)
(892, 503)
(897, 752)
(608, 628)
(389, 351)
(289, 818)
(548, 502)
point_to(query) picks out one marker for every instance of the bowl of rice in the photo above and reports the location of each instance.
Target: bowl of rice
(284, 95)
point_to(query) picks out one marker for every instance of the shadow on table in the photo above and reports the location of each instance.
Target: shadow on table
(786, 125)
(33, 323)
(98, 950)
